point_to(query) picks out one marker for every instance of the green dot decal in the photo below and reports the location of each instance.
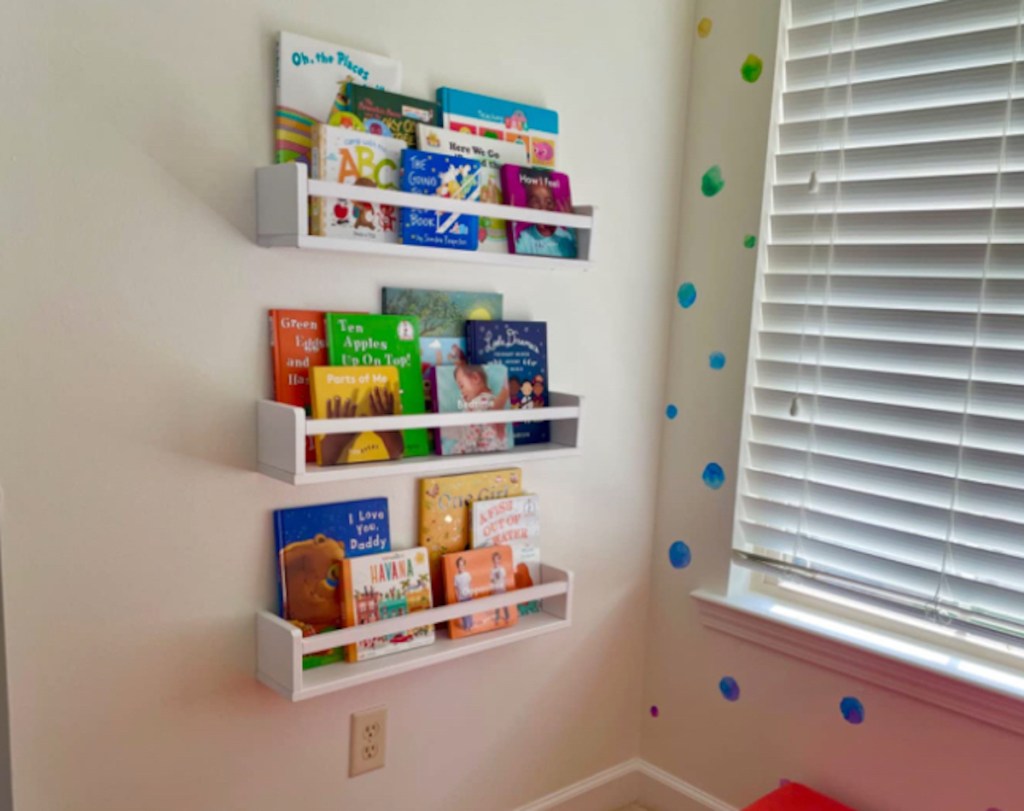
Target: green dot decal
(712, 182)
(751, 68)
(749, 241)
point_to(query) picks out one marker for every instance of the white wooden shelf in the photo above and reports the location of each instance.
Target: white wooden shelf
(280, 645)
(282, 431)
(282, 220)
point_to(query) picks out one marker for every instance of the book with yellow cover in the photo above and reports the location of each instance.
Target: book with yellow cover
(446, 512)
(341, 392)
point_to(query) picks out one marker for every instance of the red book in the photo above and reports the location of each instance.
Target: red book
(298, 342)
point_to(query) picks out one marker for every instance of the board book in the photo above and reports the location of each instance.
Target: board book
(340, 392)
(475, 573)
(489, 117)
(384, 340)
(442, 312)
(381, 587)
(309, 73)
(448, 176)
(492, 154)
(297, 344)
(548, 191)
(381, 112)
(468, 387)
(358, 159)
(522, 346)
(515, 523)
(311, 544)
(445, 513)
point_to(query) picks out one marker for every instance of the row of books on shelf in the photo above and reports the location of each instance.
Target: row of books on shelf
(429, 350)
(338, 110)
(478, 536)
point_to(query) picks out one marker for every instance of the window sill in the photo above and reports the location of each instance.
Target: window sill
(927, 672)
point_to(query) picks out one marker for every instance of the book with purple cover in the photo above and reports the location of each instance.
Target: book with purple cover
(548, 191)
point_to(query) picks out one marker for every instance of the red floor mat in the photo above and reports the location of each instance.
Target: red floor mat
(795, 797)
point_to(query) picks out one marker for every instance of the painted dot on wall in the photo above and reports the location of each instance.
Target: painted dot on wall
(713, 475)
(784, 781)
(729, 688)
(671, 411)
(654, 711)
(712, 182)
(704, 27)
(716, 360)
(852, 710)
(679, 555)
(687, 295)
(750, 241)
(751, 68)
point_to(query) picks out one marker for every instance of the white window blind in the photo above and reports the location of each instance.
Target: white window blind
(883, 445)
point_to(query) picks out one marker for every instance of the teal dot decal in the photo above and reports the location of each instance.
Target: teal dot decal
(671, 411)
(852, 710)
(716, 360)
(687, 294)
(713, 476)
(679, 555)
(712, 182)
(654, 711)
(729, 688)
(751, 68)
(749, 241)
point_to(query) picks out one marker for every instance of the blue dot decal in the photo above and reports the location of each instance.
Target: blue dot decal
(671, 411)
(852, 710)
(714, 476)
(679, 555)
(729, 688)
(687, 295)
(716, 360)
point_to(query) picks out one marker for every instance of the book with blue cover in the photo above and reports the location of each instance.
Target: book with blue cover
(522, 347)
(452, 177)
(311, 544)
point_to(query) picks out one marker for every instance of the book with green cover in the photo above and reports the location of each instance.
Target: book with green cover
(384, 113)
(384, 340)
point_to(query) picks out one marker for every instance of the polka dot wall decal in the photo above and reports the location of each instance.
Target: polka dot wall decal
(852, 710)
(784, 781)
(704, 27)
(654, 711)
(729, 688)
(712, 182)
(716, 360)
(714, 476)
(686, 295)
(671, 411)
(750, 241)
(679, 555)
(751, 68)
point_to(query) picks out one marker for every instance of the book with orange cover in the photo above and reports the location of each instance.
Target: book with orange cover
(446, 514)
(297, 344)
(476, 573)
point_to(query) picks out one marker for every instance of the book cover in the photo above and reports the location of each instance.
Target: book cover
(381, 112)
(442, 312)
(492, 154)
(522, 346)
(308, 75)
(468, 387)
(548, 191)
(384, 340)
(358, 159)
(515, 523)
(311, 544)
(341, 392)
(297, 344)
(489, 117)
(445, 513)
(475, 573)
(380, 587)
(439, 175)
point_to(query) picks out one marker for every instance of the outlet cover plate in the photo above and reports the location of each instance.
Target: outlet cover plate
(368, 741)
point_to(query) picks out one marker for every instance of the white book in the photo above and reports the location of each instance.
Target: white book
(512, 522)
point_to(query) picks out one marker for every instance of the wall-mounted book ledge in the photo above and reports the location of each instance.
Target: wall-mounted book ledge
(283, 430)
(280, 645)
(282, 220)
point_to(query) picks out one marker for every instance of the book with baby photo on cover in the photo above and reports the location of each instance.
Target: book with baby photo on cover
(476, 573)
(468, 387)
(546, 191)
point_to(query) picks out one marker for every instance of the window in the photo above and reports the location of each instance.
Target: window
(883, 440)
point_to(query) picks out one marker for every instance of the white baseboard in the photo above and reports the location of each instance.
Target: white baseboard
(632, 781)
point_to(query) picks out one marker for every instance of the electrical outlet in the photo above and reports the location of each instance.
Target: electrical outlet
(368, 743)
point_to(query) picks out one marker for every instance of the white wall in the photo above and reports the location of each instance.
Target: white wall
(907, 756)
(136, 536)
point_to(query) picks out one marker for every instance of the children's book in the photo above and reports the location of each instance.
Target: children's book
(297, 344)
(522, 346)
(380, 587)
(475, 573)
(311, 544)
(468, 387)
(492, 154)
(359, 159)
(384, 340)
(340, 392)
(535, 127)
(515, 523)
(383, 113)
(433, 174)
(442, 312)
(549, 191)
(445, 512)
(308, 76)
